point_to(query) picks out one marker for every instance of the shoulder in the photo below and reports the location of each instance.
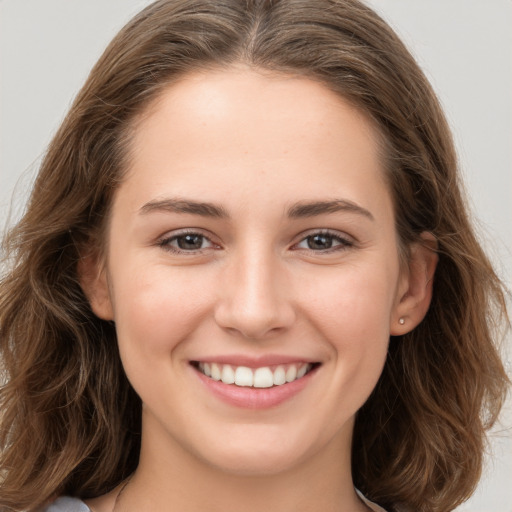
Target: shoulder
(66, 504)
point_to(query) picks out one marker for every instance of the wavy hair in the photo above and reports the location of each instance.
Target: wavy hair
(70, 421)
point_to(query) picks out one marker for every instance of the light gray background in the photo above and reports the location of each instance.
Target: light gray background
(465, 46)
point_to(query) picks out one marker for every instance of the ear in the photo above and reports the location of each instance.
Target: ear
(415, 287)
(93, 279)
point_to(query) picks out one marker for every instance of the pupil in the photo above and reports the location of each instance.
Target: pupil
(190, 242)
(320, 242)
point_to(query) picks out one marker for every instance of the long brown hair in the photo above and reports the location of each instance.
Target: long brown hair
(70, 420)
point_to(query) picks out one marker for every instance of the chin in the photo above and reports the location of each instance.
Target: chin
(256, 465)
(262, 455)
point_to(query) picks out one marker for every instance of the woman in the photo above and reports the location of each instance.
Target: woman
(247, 265)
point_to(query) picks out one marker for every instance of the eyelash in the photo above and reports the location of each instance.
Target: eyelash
(166, 242)
(343, 243)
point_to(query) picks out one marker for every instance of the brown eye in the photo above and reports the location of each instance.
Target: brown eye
(190, 242)
(324, 241)
(186, 243)
(319, 242)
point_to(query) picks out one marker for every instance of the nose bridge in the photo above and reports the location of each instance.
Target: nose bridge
(253, 298)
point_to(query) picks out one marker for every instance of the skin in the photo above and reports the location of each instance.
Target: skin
(254, 145)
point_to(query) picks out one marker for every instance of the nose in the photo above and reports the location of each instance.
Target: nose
(254, 298)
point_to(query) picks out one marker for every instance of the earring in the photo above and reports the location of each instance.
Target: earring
(401, 321)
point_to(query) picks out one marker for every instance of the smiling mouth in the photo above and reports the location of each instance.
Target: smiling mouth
(262, 377)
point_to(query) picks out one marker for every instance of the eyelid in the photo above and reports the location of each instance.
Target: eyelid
(165, 240)
(346, 241)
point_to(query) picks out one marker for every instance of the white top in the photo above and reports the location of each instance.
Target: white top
(66, 504)
(370, 504)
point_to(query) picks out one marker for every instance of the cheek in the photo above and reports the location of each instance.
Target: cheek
(353, 316)
(354, 302)
(155, 310)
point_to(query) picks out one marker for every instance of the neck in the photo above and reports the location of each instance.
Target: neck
(169, 475)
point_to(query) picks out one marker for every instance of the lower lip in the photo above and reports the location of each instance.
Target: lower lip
(255, 398)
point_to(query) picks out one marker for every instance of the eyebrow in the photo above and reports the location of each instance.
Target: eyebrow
(185, 206)
(311, 209)
(298, 210)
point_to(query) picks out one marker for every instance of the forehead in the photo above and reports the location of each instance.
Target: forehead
(251, 98)
(250, 128)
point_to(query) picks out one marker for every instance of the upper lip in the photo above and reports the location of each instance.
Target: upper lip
(254, 361)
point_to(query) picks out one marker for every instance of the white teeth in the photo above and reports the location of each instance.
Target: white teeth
(291, 373)
(262, 377)
(243, 376)
(216, 373)
(228, 375)
(302, 371)
(279, 376)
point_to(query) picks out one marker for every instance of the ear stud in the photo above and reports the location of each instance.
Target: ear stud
(401, 321)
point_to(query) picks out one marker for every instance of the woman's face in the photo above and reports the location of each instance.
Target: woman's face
(252, 239)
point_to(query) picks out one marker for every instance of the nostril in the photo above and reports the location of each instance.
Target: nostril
(254, 307)
(254, 326)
